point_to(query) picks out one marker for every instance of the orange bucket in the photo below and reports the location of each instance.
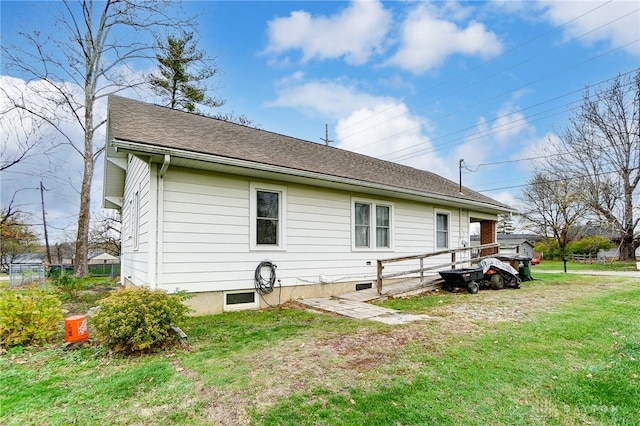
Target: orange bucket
(75, 328)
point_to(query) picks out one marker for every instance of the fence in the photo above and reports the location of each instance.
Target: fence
(21, 274)
(488, 250)
(110, 270)
(589, 258)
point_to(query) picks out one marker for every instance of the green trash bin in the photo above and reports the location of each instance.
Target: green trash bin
(525, 269)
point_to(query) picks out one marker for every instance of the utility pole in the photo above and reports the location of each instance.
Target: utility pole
(326, 139)
(44, 222)
(460, 171)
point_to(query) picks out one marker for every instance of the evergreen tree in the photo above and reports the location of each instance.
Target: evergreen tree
(183, 70)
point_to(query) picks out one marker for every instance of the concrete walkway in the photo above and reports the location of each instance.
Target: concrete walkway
(353, 305)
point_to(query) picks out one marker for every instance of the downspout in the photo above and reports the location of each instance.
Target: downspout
(165, 165)
(462, 234)
(160, 220)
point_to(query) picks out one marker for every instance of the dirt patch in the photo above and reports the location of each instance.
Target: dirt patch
(374, 354)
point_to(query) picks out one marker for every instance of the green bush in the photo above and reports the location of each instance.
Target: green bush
(138, 319)
(29, 317)
(589, 245)
(549, 248)
(69, 286)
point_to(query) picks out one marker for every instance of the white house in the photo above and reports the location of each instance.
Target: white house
(205, 201)
(100, 258)
(521, 244)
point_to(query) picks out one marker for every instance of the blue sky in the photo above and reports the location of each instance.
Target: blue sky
(420, 83)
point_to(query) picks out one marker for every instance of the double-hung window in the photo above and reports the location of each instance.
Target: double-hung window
(134, 219)
(371, 225)
(267, 216)
(442, 230)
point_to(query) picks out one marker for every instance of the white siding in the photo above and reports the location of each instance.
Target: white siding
(206, 246)
(135, 260)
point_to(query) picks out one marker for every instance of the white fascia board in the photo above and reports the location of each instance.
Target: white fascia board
(211, 158)
(120, 162)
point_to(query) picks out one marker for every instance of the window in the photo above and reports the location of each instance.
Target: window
(362, 218)
(240, 300)
(134, 219)
(267, 217)
(382, 226)
(442, 230)
(371, 219)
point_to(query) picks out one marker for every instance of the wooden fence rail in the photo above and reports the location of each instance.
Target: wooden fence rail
(420, 257)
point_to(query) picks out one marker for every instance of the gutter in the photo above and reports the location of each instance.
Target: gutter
(211, 158)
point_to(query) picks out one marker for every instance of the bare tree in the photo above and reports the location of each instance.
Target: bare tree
(105, 233)
(553, 205)
(86, 59)
(602, 141)
(17, 237)
(21, 138)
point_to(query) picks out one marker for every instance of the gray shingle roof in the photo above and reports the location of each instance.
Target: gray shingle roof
(143, 123)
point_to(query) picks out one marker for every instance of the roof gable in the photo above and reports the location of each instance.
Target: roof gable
(156, 126)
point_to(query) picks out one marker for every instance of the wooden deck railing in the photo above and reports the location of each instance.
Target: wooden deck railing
(420, 257)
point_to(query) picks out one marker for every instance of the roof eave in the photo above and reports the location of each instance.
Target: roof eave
(143, 148)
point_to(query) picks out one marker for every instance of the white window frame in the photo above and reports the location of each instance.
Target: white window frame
(240, 306)
(136, 220)
(372, 224)
(435, 229)
(254, 187)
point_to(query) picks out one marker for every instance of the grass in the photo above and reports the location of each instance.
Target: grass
(572, 359)
(558, 265)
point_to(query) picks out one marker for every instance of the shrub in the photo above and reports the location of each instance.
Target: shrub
(549, 247)
(590, 245)
(138, 319)
(69, 286)
(29, 317)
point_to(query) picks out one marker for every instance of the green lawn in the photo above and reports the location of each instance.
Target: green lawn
(558, 265)
(560, 351)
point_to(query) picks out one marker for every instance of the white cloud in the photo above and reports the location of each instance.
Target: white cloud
(372, 125)
(334, 99)
(504, 197)
(618, 19)
(355, 33)
(427, 40)
(59, 168)
(389, 131)
(504, 135)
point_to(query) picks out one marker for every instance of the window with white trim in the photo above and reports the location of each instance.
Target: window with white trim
(136, 219)
(237, 300)
(442, 230)
(371, 225)
(267, 216)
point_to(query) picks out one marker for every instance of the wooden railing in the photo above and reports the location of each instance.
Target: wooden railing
(485, 248)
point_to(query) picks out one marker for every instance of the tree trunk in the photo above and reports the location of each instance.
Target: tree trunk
(82, 241)
(81, 268)
(627, 250)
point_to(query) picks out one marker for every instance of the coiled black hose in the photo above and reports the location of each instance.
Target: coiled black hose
(263, 285)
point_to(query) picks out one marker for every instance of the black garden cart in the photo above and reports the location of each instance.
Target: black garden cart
(468, 278)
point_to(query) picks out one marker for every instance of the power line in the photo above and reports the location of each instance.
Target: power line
(503, 54)
(556, 180)
(467, 87)
(487, 132)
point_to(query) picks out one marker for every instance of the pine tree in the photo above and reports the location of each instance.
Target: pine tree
(183, 70)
